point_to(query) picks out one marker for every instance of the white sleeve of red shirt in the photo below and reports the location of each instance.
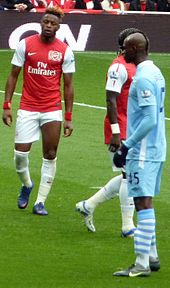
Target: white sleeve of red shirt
(68, 65)
(19, 55)
(116, 77)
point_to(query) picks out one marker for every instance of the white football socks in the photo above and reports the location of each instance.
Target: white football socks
(22, 167)
(127, 207)
(110, 190)
(115, 186)
(48, 172)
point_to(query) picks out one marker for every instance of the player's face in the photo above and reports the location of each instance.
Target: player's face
(128, 52)
(49, 24)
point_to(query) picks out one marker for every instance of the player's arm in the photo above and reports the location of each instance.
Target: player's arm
(17, 62)
(112, 115)
(147, 103)
(116, 77)
(11, 83)
(68, 68)
(145, 126)
(148, 122)
(68, 100)
(9, 90)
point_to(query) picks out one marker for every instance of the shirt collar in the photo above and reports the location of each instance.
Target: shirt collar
(144, 63)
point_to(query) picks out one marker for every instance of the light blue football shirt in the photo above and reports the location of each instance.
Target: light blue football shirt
(146, 119)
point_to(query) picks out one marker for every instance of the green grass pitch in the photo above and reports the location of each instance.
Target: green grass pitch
(56, 251)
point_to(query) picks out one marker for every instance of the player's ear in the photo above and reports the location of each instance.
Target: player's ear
(58, 27)
(134, 48)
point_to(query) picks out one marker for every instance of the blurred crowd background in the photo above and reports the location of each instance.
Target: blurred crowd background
(105, 5)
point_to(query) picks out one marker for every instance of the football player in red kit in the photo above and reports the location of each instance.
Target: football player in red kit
(119, 78)
(45, 59)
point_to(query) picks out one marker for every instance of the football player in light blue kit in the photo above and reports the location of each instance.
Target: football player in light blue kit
(144, 151)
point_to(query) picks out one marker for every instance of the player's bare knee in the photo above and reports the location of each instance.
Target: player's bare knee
(50, 155)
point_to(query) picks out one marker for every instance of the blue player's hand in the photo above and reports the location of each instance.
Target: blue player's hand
(119, 158)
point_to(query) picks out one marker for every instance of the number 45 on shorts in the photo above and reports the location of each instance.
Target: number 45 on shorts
(133, 178)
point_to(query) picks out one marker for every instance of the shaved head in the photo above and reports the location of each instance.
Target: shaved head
(136, 47)
(138, 40)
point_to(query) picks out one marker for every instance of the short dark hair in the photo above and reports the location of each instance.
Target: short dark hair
(125, 33)
(57, 11)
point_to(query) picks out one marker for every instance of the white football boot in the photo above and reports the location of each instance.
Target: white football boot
(87, 215)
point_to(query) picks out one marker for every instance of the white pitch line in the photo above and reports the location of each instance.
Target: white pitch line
(82, 104)
(88, 105)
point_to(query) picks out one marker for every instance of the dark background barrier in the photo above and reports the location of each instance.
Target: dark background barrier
(103, 31)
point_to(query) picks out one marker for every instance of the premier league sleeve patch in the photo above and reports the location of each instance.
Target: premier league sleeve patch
(145, 93)
(113, 75)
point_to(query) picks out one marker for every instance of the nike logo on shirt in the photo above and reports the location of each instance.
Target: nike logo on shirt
(31, 53)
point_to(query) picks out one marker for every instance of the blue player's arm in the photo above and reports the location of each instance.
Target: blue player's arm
(145, 126)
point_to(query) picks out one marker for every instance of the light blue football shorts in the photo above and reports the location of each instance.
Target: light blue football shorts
(144, 178)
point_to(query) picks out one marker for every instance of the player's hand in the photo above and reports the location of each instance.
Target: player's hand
(114, 143)
(7, 117)
(68, 128)
(119, 158)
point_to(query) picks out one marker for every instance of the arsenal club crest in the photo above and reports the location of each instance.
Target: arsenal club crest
(55, 55)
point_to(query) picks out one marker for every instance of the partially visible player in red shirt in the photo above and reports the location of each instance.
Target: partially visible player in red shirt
(63, 4)
(45, 59)
(119, 78)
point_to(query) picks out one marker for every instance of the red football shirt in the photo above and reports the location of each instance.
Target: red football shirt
(122, 74)
(43, 67)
